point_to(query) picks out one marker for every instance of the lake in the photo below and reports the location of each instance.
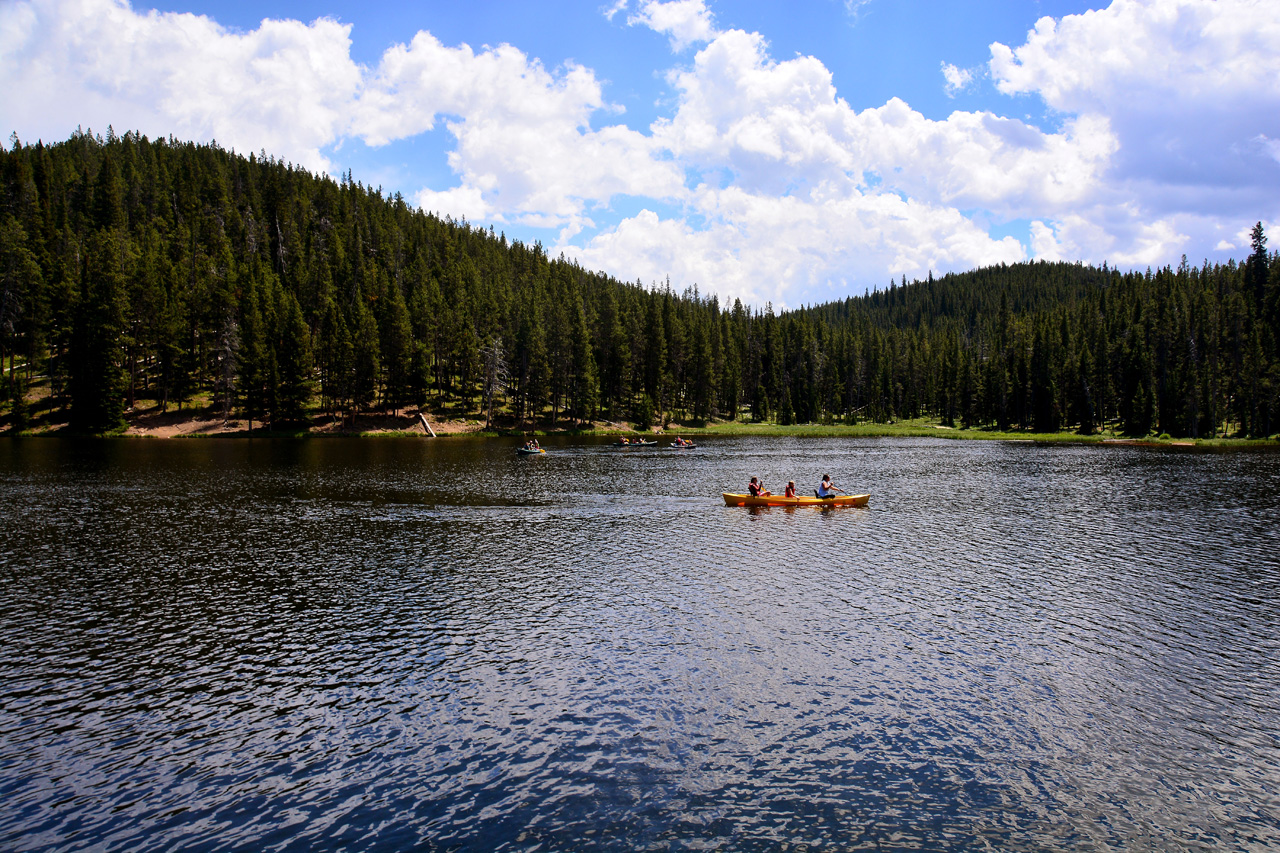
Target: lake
(386, 645)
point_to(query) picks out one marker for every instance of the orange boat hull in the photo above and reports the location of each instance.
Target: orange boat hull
(778, 500)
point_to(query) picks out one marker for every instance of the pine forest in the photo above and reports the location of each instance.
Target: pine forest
(159, 270)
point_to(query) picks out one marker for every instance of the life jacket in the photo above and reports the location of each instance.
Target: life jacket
(754, 490)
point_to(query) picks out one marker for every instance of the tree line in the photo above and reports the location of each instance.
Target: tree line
(165, 270)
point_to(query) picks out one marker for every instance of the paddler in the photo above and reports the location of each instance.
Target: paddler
(827, 489)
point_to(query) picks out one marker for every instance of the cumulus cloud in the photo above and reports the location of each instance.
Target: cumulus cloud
(780, 127)
(792, 250)
(684, 22)
(801, 184)
(1166, 121)
(1188, 87)
(956, 79)
(798, 191)
(526, 150)
(284, 87)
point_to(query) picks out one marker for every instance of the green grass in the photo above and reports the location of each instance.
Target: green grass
(48, 418)
(927, 428)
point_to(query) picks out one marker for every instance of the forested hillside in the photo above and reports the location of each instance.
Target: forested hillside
(162, 270)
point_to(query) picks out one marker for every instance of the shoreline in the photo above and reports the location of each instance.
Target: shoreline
(150, 422)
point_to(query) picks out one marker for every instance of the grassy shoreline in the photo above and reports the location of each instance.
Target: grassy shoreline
(919, 428)
(203, 421)
(925, 428)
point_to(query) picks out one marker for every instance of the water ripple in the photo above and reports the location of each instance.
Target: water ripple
(442, 646)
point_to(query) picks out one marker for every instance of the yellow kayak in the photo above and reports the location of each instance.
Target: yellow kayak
(779, 500)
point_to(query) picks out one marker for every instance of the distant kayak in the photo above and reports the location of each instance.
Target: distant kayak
(688, 445)
(524, 451)
(634, 443)
(779, 500)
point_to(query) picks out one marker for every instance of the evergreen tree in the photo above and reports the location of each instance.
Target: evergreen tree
(295, 363)
(1255, 268)
(97, 380)
(253, 354)
(365, 365)
(197, 274)
(397, 348)
(644, 413)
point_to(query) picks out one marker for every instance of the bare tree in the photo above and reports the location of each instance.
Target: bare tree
(496, 374)
(228, 349)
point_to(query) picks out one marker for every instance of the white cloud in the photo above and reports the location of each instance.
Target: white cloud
(791, 250)
(617, 7)
(1189, 87)
(525, 150)
(685, 22)
(798, 189)
(1167, 121)
(284, 87)
(1119, 236)
(779, 127)
(525, 145)
(957, 79)
(462, 202)
(1044, 243)
(1196, 49)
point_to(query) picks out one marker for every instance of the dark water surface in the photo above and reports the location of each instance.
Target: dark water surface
(437, 645)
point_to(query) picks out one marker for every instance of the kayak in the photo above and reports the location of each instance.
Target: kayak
(688, 446)
(779, 500)
(634, 443)
(524, 451)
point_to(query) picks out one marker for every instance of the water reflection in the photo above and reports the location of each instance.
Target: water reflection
(388, 644)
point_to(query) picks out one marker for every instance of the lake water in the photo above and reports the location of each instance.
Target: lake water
(437, 645)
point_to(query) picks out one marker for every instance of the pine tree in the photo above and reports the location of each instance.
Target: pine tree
(1255, 268)
(195, 231)
(1083, 406)
(97, 380)
(397, 348)
(294, 362)
(254, 370)
(365, 365)
(21, 291)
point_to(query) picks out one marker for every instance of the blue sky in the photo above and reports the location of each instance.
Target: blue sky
(784, 152)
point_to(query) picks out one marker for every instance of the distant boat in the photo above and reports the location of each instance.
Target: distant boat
(779, 500)
(636, 443)
(527, 451)
(688, 445)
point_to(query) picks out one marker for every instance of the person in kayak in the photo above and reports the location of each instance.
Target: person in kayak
(827, 489)
(757, 489)
(791, 489)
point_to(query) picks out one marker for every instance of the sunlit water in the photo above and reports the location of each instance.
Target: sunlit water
(438, 645)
